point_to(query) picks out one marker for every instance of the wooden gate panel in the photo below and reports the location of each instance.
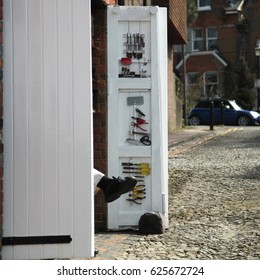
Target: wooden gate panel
(48, 128)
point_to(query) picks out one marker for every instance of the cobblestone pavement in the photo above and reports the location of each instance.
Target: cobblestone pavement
(214, 209)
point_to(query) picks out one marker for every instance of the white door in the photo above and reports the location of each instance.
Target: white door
(137, 73)
(48, 194)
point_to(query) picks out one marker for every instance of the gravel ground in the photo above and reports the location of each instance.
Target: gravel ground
(214, 209)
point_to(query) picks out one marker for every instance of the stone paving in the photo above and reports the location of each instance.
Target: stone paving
(214, 209)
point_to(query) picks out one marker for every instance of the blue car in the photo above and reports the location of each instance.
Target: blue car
(232, 114)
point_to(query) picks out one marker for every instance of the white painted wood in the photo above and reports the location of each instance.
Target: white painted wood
(83, 137)
(50, 123)
(8, 124)
(48, 127)
(159, 109)
(152, 22)
(20, 122)
(65, 99)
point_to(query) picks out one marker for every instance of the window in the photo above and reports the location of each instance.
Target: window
(204, 5)
(211, 77)
(211, 83)
(212, 38)
(197, 40)
(207, 83)
(203, 104)
(192, 78)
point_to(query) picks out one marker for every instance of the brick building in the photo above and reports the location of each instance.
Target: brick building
(222, 32)
(177, 33)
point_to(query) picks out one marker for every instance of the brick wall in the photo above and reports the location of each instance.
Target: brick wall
(174, 119)
(202, 64)
(1, 121)
(229, 43)
(100, 106)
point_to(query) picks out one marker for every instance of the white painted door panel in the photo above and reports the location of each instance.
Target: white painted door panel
(48, 127)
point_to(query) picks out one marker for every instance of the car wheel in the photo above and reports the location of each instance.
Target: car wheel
(195, 120)
(243, 121)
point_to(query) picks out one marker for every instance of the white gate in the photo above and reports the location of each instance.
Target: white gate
(48, 194)
(137, 69)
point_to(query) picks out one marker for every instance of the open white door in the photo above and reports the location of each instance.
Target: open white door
(137, 111)
(48, 193)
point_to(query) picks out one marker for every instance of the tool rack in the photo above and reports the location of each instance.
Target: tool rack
(137, 111)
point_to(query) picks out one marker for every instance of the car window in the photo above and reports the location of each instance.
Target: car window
(203, 104)
(226, 103)
(234, 105)
(217, 104)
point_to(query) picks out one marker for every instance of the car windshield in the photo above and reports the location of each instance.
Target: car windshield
(234, 105)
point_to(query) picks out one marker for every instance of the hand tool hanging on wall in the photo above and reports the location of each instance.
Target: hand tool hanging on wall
(134, 200)
(140, 172)
(132, 132)
(125, 72)
(140, 187)
(139, 176)
(135, 45)
(139, 112)
(145, 140)
(135, 164)
(140, 120)
(145, 168)
(137, 192)
(133, 141)
(137, 195)
(137, 125)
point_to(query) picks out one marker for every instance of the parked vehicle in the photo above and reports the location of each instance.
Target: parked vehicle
(232, 114)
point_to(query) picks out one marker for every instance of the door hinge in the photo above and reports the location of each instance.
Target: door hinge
(33, 240)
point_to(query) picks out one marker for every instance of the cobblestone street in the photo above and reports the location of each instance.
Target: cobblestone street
(214, 209)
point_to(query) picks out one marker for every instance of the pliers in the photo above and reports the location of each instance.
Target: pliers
(137, 125)
(134, 200)
(140, 120)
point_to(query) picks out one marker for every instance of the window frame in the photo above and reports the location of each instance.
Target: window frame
(203, 7)
(189, 78)
(210, 84)
(208, 39)
(197, 39)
